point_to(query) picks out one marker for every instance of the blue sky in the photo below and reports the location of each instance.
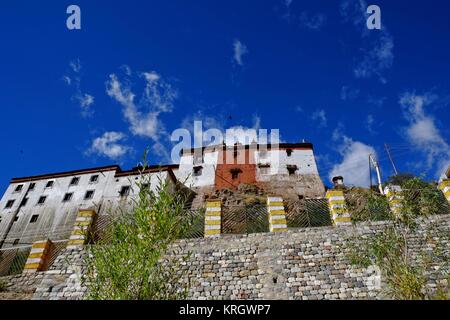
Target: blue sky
(137, 70)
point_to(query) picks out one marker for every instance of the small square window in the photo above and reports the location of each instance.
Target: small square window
(125, 191)
(289, 152)
(9, 204)
(94, 179)
(89, 195)
(32, 186)
(34, 218)
(16, 218)
(67, 197)
(292, 170)
(16, 242)
(42, 200)
(24, 202)
(235, 173)
(145, 186)
(50, 184)
(198, 171)
(75, 181)
(19, 188)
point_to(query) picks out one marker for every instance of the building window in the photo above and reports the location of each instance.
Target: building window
(75, 181)
(145, 186)
(67, 197)
(94, 179)
(264, 168)
(125, 191)
(41, 200)
(289, 152)
(16, 242)
(16, 218)
(19, 188)
(9, 204)
(89, 195)
(32, 186)
(50, 184)
(34, 218)
(198, 171)
(24, 202)
(235, 173)
(292, 170)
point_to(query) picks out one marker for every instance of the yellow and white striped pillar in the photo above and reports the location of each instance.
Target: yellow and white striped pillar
(444, 186)
(395, 197)
(340, 216)
(213, 218)
(37, 258)
(277, 215)
(81, 229)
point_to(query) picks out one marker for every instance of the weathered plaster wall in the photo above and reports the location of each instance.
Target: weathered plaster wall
(298, 264)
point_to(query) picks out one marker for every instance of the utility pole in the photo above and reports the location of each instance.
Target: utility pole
(378, 170)
(388, 150)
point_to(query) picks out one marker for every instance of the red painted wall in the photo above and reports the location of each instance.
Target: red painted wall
(224, 177)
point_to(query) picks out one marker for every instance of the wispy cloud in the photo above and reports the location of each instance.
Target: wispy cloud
(239, 50)
(312, 21)
(84, 100)
(370, 122)
(143, 116)
(378, 45)
(348, 93)
(109, 145)
(422, 131)
(320, 116)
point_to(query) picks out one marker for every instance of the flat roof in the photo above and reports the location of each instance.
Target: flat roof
(300, 145)
(118, 172)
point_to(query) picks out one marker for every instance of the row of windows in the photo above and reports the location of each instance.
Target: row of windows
(67, 197)
(73, 182)
(292, 169)
(124, 191)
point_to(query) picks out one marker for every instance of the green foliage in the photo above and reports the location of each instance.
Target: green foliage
(421, 198)
(138, 260)
(366, 205)
(399, 179)
(404, 277)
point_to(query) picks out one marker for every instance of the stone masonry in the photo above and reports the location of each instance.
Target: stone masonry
(306, 264)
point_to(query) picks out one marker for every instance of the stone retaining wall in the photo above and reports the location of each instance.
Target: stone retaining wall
(298, 264)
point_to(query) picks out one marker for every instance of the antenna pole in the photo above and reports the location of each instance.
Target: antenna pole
(388, 150)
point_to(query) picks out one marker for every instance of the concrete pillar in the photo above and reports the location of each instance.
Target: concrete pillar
(38, 256)
(277, 215)
(444, 186)
(340, 216)
(81, 229)
(395, 197)
(213, 218)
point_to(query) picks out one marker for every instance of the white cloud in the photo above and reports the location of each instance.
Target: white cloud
(354, 166)
(378, 46)
(240, 50)
(143, 118)
(422, 132)
(320, 116)
(109, 145)
(84, 100)
(370, 121)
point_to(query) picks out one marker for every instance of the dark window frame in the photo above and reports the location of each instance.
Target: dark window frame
(125, 191)
(10, 204)
(34, 218)
(18, 188)
(50, 184)
(41, 200)
(68, 197)
(75, 181)
(94, 178)
(89, 192)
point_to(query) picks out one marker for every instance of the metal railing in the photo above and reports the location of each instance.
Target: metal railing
(245, 219)
(12, 261)
(307, 213)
